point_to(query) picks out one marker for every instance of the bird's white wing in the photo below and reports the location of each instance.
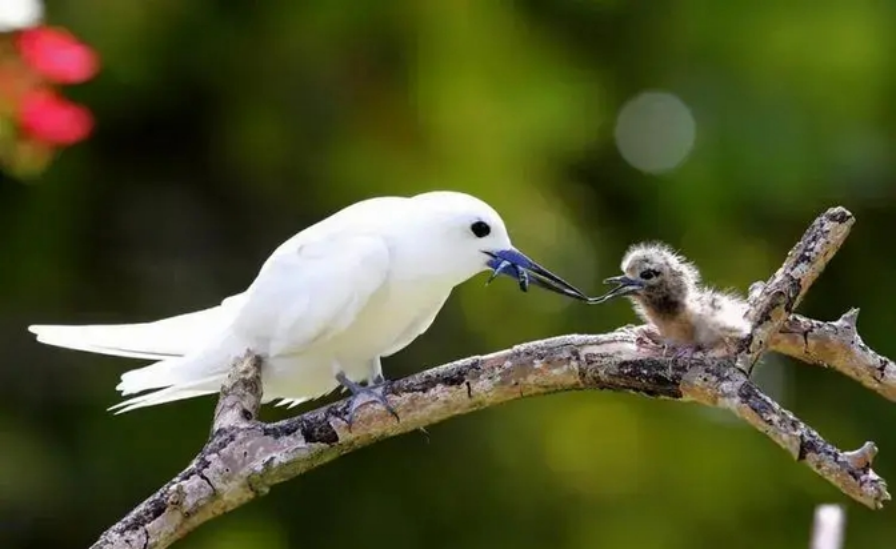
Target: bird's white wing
(310, 292)
(302, 295)
(302, 292)
(170, 337)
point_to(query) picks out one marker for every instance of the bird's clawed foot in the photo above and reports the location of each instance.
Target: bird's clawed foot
(363, 395)
(683, 353)
(646, 337)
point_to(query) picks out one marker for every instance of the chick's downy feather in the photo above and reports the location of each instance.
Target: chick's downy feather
(674, 300)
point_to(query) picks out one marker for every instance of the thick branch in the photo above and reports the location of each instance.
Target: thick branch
(244, 458)
(241, 463)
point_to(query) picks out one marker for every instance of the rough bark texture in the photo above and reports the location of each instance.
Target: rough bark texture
(244, 458)
(837, 345)
(775, 301)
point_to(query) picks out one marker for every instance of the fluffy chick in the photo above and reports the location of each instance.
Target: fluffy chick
(666, 292)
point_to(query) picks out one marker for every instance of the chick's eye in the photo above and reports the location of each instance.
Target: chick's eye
(480, 229)
(648, 274)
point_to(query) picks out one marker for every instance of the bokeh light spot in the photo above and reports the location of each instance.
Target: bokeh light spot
(655, 131)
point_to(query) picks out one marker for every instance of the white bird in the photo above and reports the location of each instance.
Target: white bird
(666, 292)
(325, 307)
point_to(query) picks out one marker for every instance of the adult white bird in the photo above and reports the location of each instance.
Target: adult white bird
(325, 307)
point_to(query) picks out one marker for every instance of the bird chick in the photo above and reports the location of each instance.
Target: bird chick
(666, 292)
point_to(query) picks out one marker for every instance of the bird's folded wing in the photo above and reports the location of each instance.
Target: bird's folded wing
(306, 294)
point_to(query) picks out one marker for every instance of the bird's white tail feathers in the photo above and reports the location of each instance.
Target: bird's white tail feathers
(177, 378)
(193, 352)
(197, 388)
(172, 337)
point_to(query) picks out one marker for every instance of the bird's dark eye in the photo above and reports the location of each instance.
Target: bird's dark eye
(648, 274)
(480, 229)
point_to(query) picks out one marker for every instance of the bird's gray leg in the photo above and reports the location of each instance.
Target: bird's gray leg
(376, 377)
(681, 352)
(377, 382)
(362, 395)
(687, 353)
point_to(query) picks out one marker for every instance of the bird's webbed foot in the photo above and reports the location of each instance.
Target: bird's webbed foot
(364, 395)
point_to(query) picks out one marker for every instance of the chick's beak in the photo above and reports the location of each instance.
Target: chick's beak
(513, 263)
(625, 286)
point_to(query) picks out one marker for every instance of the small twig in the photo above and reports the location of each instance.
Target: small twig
(774, 302)
(240, 397)
(828, 527)
(837, 345)
(244, 458)
(850, 471)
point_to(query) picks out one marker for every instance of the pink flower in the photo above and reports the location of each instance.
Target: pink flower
(50, 118)
(57, 55)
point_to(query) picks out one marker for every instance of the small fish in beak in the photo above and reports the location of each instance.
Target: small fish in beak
(517, 265)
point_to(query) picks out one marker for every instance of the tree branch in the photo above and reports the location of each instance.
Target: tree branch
(244, 458)
(837, 345)
(774, 302)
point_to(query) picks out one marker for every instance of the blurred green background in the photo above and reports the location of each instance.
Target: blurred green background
(226, 127)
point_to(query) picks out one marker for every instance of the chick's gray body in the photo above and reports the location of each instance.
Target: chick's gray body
(672, 299)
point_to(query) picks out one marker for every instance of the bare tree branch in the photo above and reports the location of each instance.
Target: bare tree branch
(837, 345)
(774, 302)
(244, 458)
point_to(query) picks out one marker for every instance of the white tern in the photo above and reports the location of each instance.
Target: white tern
(666, 292)
(325, 307)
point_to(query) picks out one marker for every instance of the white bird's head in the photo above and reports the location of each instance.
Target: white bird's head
(458, 236)
(655, 274)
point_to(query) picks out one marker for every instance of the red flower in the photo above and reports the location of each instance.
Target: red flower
(50, 118)
(57, 55)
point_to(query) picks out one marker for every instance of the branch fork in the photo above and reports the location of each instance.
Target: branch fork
(244, 458)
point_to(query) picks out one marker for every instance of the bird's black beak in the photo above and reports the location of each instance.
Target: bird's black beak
(625, 286)
(514, 263)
